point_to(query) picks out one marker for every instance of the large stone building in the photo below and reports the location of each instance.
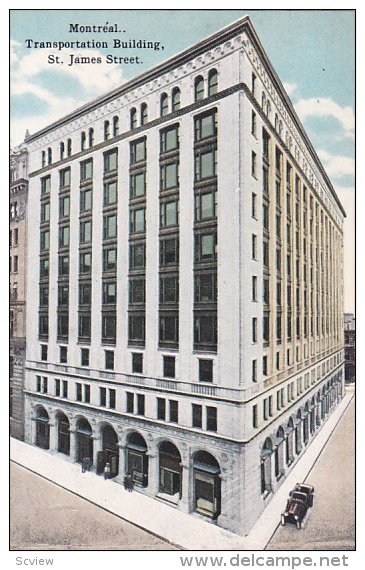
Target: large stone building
(18, 258)
(350, 347)
(184, 307)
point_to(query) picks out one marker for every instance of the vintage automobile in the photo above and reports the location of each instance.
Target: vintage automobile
(300, 500)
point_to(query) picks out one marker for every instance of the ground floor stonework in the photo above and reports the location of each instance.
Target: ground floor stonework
(226, 482)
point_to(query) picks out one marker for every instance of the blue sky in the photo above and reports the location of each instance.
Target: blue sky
(312, 51)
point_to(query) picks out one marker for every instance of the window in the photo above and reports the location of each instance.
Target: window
(44, 267)
(169, 289)
(144, 114)
(169, 329)
(109, 360)
(175, 99)
(84, 326)
(169, 139)
(254, 371)
(63, 354)
(83, 140)
(84, 357)
(211, 418)
(138, 184)
(161, 409)
(137, 362)
(278, 361)
(212, 82)
(57, 388)
(169, 366)
(254, 164)
(49, 154)
(205, 165)
(85, 231)
(253, 123)
(137, 220)
(64, 236)
(253, 205)
(106, 130)
(205, 246)
(112, 398)
(44, 240)
(254, 416)
(205, 370)
(109, 259)
(85, 294)
(205, 330)
(109, 293)
(199, 88)
(43, 158)
(133, 118)
(136, 328)
(169, 176)
(62, 150)
(15, 264)
(174, 411)
(265, 327)
(39, 384)
(110, 193)
(197, 416)
(85, 200)
(43, 325)
(130, 402)
(164, 105)
(13, 210)
(69, 147)
(265, 180)
(65, 178)
(169, 252)
(64, 206)
(110, 226)
(111, 161)
(265, 144)
(266, 291)
(254, 246)
(254, 288)
(254, 329)
(264, 366)
(253, 84)
(115, 126)
(137, 291)
(169, 213)
(44, 352)
(86, 170)
(102, 393)
(137, 256)
(205, 206)
(91, 137)
(138, 151)
(85, 262)
(265, 216)
(64, 389)
(140, 404)
(63, 295)
(109, 322)
(205, 126)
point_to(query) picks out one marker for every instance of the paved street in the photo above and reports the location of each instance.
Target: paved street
(330, 524)
(47, 517)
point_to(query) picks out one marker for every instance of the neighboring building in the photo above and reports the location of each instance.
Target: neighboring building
(350, 350)
(18, 251)
(186, 244)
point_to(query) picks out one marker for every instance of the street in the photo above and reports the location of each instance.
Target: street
(47, 517)
(330, 524)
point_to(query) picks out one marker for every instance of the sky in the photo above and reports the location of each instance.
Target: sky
(311, 50)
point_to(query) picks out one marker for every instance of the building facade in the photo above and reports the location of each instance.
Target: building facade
(350, 347)
(186, 244)
(17, 266)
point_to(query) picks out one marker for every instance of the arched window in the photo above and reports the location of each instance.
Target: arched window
(266, 467)
(276, 121)
(62, 151)
(106, 130)
(263, 101)
(144, 114)
(279, 452)
(42, 428)
(110, 451)
(170, 470)
(164, 105)
(84, 441)
(83, 140)
(43, 158)
(69, 147)
(175, 99)
(207, 485)
(91, 137)
(212, 82)
(63, 434)
(280, 128)
(115, 126)
(133, 118)
(199, 88)
(268, 109)
(49, 156)
(137, 459)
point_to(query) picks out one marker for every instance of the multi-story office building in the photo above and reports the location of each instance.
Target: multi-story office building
(17, 266)
(186, 243)
(350, 350)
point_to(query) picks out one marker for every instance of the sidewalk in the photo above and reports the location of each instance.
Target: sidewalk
(178, 528)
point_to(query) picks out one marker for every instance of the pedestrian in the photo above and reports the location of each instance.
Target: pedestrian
(130, 483)
(125, 482)
(83, 465)
(88, 463)
(107, 471)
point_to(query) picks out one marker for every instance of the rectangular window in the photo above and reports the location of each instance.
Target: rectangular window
(102, 397)
(137, 291)
(254, 329)
(205, 330)
(169, 212)
(169, 289)
(109, 293)
(254, 246)
(169, 329)
(65, 178)
(137, 256)
(109, 325)
(205, 287)
(110, 193)
(138, 184)
(110, 226)
(169, 176)
(138, 151)
(85, 200)
(137, 220)
(109, 259)
(205, 370)
(265, 327)
(140, 404)
(78, 392)
(39, 384)
(130, 402)
(57, 388)
(44, 246)
(86, 169)
(253, 123)
(85, 294)
(254, 164)
(169, 139)
(64, 236)
(85, 231)
(169, 252)
(64, 206)
(87, 393)
(205, 206)
(137, 362)
(265, 144)
(63, 354)
(63, 295)
(264, 366)
(174, 411)
(85, 262)
(109, 360)
(62, 326)
(64, 389)
(111, 161)
(169, 366)
(84, 357)
(205, 165)
(112, 398)
(211, 418)
(253, 205)
(43, 295)
(45, 211)
(205, 126)
(254, 371)
(44, 352)
(43, 325)
(45, 185)
(197, 416)
(205, 246)
(254, 416)
(161, 409)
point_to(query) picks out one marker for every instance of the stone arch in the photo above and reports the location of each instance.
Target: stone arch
(170, 469)
(279, 452)
(136, 455)
(84, 440)
(206, 484)
(265, 466)
(42, 421)
(63, 432)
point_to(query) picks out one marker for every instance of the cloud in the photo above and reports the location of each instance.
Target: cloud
(326, 107)
(337, 166)
(28, 72)
(290, 88)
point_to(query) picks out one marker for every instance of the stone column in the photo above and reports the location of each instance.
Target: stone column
(153, 474)
(122, 461)
(97, 446)
(184, 503)
(53, 436)
(224, 518)
(73, 446)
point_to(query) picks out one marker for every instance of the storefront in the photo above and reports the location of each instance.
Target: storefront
(63, 434)
(109, 453)
(84, 440)
(279, 452)
(265, 467)
(207, 485)
(137, 459)
(170, 470)
(42, 428)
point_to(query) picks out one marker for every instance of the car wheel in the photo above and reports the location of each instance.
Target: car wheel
(283, 521)
(299, 525)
